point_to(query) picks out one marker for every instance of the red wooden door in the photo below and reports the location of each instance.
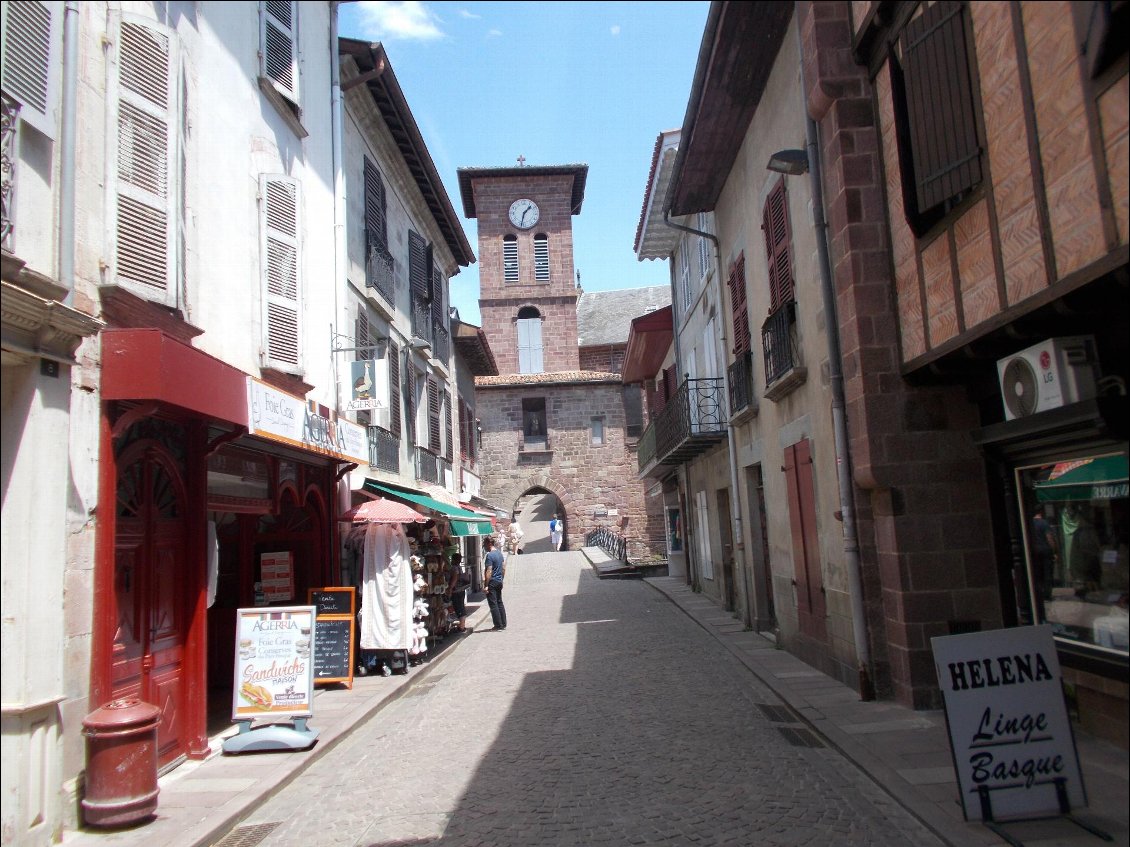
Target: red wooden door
(811, 607)
(149, 577)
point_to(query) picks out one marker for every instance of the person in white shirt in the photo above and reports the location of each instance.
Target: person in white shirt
(555, 532)
(515, 536)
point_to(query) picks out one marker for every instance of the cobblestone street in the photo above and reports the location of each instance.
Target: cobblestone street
(602, 715)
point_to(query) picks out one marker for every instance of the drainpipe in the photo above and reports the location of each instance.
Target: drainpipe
(735, 500)
(337, 129)
(839, 420)
(67, 124)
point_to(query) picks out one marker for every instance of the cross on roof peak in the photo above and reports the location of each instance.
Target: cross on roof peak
(521, 161)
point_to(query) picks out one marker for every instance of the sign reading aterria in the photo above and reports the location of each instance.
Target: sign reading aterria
(274, 671)
(278, 416)
(1009, 731)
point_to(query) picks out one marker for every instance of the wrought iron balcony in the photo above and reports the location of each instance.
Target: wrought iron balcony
(384, 449)
(431, 467)
(421, 319)
(692, 422)
(380, 272)
(740, 379)
(9, 116)
(783, 368)
(441, 342)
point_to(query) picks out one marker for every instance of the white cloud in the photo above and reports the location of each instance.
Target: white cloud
(494, 33)
(615, 29)
(410, 20)
(463, 13)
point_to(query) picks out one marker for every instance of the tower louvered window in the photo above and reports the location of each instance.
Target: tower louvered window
(29, 47)
(143, 145)
(541, 257)
(778, 247)
(278, 46)
(510, 258)
(280, 267)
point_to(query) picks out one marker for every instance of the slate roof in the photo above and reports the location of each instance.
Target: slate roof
(605, 317)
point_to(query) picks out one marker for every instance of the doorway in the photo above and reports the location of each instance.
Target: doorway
(765, 613)
(729, 595)
(534, 510)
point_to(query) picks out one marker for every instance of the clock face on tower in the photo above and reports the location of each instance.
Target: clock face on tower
(524, 213)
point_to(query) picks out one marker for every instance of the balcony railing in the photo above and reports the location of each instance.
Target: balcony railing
(441, 342)
(421, 319)
(381, 274)
(741, 383)
(784, 370)
(777, 342)
(384, 450)
(9, 116)
(693, 420)
(430, 467)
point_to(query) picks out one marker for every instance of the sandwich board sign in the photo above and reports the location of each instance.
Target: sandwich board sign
(1011, 739)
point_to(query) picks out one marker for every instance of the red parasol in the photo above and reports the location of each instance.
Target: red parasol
(381, 510)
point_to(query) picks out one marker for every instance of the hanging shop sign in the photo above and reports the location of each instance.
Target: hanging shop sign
(333, 634)
(274, 674)
(278, 416)
(368, 381)
(1011, 739)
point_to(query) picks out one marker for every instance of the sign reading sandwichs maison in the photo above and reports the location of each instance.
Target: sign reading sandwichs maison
(1008, 725)
(278, 416)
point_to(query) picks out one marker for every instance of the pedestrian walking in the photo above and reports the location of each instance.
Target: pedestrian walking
(515, 536)
(555, 532)
(457, 589)
(495, 571)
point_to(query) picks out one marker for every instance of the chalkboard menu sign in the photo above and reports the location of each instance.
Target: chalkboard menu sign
(332, 601)
(333, 634)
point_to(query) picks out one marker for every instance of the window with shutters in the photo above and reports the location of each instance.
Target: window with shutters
(936, 125)
(805, 539)
(143, 150)
(541, 257)
(739, 312)
(685, 273)
(30, 38)
(279, 59)
(279, 205)
(704, 262)
(510, 258)
(778, 246)
(448, 433)
(379, 264)
(529, 341)
(434, 443)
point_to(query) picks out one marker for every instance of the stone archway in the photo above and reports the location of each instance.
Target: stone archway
(535, 501)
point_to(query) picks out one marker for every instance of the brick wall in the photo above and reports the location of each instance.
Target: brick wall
(923, 510)
(584, 477)
(558, 332)
(607, 358)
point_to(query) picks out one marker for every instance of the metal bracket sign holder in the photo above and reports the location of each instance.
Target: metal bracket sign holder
(1011, 739)
(274, 678)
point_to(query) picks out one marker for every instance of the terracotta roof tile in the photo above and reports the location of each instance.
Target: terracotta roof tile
(558, 378)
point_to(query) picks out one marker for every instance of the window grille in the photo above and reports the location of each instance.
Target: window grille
(510, 258)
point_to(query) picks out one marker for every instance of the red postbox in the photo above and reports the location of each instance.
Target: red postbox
(121, 763)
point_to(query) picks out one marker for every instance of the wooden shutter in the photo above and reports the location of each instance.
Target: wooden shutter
(29, 60)
(463, 454)
(437, 298)
(433, 415)
(376, 223)
(410, 411)
(278, 46)
(472, 434)
(394, 388)
(281, 284)
(778, 247)
(418, 265)
(742, 342)
(530, 360)
(670, 384)
(448, 443)
(942, 128)
(805, 539)
(143, 152)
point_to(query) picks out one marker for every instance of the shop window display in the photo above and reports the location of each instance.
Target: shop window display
(1076, 532)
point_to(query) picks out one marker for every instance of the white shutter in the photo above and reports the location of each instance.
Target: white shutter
(30, 59)
(142, 149)
(278, 46)
(524, 365)
(535, 346)
(279, 205)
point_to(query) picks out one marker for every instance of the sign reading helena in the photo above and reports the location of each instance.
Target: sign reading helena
(282, 417)
(1009, 731)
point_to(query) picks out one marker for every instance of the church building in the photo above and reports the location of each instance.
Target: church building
(557, 418)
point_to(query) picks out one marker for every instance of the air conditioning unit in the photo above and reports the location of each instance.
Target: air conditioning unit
(1053, 373)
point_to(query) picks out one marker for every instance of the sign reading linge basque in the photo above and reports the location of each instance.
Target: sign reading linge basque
(1008, 724)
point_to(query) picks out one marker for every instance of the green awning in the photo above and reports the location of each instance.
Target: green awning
(463, 522)
(1102, 478)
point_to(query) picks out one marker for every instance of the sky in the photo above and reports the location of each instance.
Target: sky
(556, 82)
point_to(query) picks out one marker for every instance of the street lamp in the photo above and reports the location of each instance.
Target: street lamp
(790, 162)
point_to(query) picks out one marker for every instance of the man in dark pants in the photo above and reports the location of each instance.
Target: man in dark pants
(495, 571)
